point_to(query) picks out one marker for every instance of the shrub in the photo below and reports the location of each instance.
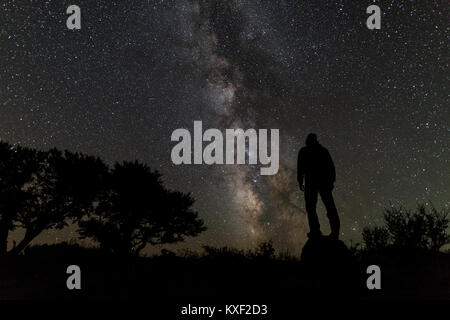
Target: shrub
(424, 229)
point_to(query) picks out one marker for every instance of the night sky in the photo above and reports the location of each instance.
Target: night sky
(138, 70)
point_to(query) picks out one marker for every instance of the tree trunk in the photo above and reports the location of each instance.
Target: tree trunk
(3, 242)
(29, 236)
(139, 248)
(3, 239)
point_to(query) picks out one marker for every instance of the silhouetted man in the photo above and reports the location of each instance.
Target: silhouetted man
(316, 167)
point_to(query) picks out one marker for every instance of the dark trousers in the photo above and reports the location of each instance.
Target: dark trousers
(311, 193)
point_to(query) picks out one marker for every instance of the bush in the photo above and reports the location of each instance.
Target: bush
(265, 250)
(375, 238)
(423, 229)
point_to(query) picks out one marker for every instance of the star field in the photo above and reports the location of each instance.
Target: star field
(137, 70)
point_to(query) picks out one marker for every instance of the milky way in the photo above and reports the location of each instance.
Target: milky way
(138, 70)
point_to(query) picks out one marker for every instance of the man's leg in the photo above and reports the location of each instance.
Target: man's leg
(333, 217)
(311, 203)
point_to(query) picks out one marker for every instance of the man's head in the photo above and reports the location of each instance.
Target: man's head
(311, 139)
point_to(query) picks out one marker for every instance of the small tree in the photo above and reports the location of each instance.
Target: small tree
(375, 238)
(437, 225)
(64, 186)
(136, 210)
(17, 168)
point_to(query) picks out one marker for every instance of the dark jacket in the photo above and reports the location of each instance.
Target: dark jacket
(316, 166)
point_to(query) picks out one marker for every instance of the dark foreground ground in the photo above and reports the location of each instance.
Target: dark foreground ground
(325, 271)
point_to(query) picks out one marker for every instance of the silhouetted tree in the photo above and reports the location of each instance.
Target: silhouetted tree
(17, 166)
(64, 188)
(437, 224)
(136, 210)
(375, 238)
(44, 190)
(425, 229)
